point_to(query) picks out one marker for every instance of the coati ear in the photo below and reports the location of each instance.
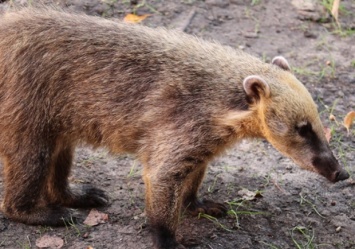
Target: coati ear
(281, 62)
(256, 87)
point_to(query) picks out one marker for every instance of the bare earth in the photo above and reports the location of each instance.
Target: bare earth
(273, 203)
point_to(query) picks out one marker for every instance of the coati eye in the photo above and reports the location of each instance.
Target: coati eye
(304, 129)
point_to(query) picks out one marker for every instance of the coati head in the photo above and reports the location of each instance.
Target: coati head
(289, 120)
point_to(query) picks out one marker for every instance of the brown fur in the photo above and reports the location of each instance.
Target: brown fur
(173, 100)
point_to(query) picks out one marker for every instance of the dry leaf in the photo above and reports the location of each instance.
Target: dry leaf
(89, 247)
(328, 133)
(335, 10)
(48, 241)
(348, 120)
(95, 217)
(249, 195)
(132, 18)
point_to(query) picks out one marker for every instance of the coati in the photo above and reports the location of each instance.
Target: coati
(172, 99)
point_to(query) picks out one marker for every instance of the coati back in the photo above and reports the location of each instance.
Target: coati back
(173, 100)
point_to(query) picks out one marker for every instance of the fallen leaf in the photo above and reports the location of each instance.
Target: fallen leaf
(47, 241)
(348, 120)
(132, 18)
(89, 247)
(249, 195)
(328, 133)
(95, 217)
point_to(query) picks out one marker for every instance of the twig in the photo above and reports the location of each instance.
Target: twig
(278, 187)
(335, 10)
(182, 27)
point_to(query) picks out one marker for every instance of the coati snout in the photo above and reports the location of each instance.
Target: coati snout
(329, 167)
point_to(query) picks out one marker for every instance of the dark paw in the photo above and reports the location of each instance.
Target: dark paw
(214, 209)
(164, 238)
(95, 196)
(45, 216)
(88, 197)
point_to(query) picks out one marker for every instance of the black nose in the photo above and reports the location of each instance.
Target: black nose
(341, 175)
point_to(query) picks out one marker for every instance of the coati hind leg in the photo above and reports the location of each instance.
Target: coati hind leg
(25, 173)
(58, 190)
(192, 204)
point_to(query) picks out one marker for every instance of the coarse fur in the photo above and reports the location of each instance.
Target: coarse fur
(172, 99)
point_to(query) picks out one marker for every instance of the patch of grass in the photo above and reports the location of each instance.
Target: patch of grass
(267, 180)
(72, 226)
(235, 212)
(328, 70)
(304, 71)
(146, 5)
(133, 171)
(323, 43)
(352, 63)
(189, 2)
(214, 220)
(328, 110)
(26, 244)
(248, 14)
(269, 245)
(344, 32)
(111, 2)
(307, 238)
(328, 5)
(230, 188)
(255, 2)
(44, 229)
(305, 201)
(211, 188)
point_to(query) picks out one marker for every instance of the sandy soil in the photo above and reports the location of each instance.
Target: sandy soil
(293, 208)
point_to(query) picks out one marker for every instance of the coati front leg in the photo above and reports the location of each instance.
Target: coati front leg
(193, 204)
(58, 190)
(164, 196)
(170, 186)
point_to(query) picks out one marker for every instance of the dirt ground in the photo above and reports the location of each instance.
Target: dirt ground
(272, 202)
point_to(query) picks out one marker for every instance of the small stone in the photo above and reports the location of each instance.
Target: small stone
(309, 34)
(217, 3)
(250, 35)
(288, 167)
(338, 229)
